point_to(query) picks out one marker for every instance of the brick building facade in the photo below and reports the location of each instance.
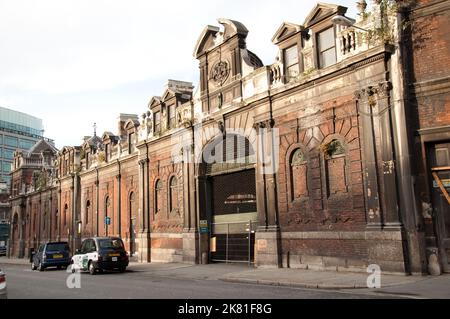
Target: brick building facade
(320, 160)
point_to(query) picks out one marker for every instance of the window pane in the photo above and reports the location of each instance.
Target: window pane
(291, 56)
(326, 39)
(328, 57)
(6, 167)
(11, 141)
(157, 121)
(26, 144)
(9, 154)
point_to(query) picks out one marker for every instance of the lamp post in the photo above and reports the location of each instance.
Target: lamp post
(346, 22)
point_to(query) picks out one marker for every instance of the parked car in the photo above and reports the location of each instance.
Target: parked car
(3, 250)
(101, 253)
(52, 254)
(3, 292)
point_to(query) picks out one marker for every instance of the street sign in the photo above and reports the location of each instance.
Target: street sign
(107, 220)
(203, 224)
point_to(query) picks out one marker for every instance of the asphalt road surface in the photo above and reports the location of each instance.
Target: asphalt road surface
(140, 283)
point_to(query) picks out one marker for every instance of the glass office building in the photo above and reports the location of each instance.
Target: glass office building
(17, 131)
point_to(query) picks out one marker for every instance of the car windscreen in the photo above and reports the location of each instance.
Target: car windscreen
(57, 247)
(110, 244)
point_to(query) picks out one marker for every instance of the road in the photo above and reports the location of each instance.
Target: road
(141, 282)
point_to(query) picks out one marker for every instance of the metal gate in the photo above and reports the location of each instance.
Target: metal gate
(233, 242)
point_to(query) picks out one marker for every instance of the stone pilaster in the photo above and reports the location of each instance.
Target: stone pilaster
(190, 232)
(364, 99)
(390, 200)
(267, 238)
(144, 231)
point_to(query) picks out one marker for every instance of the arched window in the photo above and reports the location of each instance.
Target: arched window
(158, 194)
(87, 212)
(173, 191)
(336, 167)
(299, 169)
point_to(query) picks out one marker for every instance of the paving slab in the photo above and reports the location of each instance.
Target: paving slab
(315, 279)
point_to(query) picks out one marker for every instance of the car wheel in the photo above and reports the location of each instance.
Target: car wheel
(122, 269)
(92, 269)
(40, 267)
(33, 266)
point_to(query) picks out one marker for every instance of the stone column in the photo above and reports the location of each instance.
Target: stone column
(390, 200)
(190, 232)
(21, 220)
(268, 239)
(204, 203)
(370, 166)
(144, 233)
(119, 202)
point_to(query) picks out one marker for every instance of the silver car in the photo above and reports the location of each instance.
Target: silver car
(3, 293)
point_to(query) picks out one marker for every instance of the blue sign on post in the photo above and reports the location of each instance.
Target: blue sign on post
(107, 220)
(203, 227)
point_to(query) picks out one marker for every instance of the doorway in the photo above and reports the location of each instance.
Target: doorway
(439, 159)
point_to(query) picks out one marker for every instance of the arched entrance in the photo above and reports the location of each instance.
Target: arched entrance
(227, 192)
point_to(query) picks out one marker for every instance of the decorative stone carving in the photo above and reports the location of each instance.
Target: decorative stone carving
(372, 92)
(221, 127)
(361, 5)
(220, 72)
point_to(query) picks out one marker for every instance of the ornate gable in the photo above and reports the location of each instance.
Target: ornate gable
(155, 101)
(206, 40)
(168, 94)
(285, 31)
(131, 125)
(323, 11)
(42, 146)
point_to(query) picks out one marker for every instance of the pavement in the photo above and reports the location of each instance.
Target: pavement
(415, 286)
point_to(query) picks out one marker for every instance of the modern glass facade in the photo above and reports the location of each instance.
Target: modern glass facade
(17, 131)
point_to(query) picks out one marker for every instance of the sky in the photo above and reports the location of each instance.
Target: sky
(74, 63)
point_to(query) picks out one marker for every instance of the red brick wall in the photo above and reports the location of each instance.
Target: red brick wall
(334, 198)
(431, 61)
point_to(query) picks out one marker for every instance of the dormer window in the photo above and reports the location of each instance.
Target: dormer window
(130, 143)
(157, 121)
(292, 69)
(326, 47)
(172, 115)
(87, 158)
(107, 151)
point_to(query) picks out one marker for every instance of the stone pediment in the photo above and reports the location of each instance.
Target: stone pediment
(212, 37)
(323, 11)
(285, 31)
(108, 136)
(43, 146)
(155, 101)
(131, 124)
(168, 94)
(206, 40)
